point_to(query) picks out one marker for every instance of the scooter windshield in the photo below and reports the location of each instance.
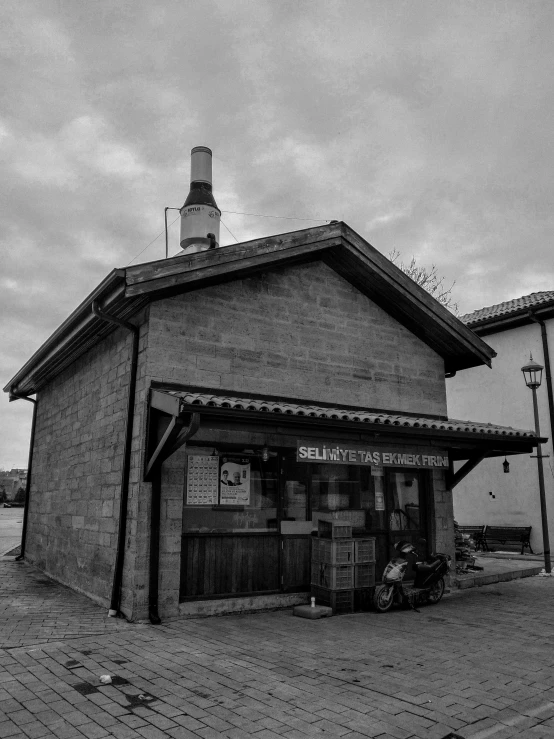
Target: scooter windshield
(395, 570)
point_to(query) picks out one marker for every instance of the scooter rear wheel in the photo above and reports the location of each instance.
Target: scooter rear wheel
(436, 592)
(383, 598)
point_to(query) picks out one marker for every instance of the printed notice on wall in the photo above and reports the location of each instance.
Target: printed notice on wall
(202, 480)
(379, 501)
(234, 481)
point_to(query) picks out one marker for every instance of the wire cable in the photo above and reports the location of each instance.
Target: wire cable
(150, 244)
(285, 218)
(232, 234)
(237, 213)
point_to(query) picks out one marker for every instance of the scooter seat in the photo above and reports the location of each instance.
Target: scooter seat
(427, 568)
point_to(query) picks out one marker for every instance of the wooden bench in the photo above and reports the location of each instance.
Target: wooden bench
(476, 533)
(507, 535)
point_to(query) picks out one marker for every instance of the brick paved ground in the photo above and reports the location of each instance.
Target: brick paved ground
(479, 665)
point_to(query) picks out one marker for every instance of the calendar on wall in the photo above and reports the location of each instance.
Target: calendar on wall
(202, 480)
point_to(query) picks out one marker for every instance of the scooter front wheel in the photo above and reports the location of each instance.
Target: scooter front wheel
(436, 592)
(383, 598)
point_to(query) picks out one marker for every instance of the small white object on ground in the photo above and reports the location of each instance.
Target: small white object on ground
(105, 679)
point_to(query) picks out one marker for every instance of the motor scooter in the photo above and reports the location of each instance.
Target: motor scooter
(428, 586)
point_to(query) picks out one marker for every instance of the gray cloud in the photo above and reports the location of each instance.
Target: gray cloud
(426, 126)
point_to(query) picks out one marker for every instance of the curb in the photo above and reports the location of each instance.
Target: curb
(477, 580)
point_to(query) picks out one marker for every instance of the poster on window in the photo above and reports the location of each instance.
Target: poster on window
(234, 481)
(379, 501)
(202, 479)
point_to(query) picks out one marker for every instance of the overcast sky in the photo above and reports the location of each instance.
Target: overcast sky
(426, 126)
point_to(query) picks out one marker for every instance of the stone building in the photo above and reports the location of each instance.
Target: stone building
(304, 368)
(11, 482)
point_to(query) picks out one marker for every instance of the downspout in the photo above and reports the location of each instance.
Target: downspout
(125, 474)
(15, 396)
(548, 373)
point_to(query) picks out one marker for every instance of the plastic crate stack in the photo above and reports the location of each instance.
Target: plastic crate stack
(343, 568)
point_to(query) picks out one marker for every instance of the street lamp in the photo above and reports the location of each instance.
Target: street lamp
(532, 374)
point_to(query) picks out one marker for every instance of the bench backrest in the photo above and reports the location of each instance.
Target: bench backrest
(508, 533)
(471, 529)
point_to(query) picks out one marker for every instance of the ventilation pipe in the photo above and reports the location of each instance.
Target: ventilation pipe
(200, 216)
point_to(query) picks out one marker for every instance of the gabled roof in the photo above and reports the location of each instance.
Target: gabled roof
(511, 313)
(126, 291)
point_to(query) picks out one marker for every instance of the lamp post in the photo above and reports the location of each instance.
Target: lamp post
(532, 374)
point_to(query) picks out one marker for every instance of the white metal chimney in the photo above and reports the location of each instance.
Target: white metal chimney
(200, 216)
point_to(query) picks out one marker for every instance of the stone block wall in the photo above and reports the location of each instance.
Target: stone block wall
(171, 515)
(77, 467)
(301, 332)
(444, 515)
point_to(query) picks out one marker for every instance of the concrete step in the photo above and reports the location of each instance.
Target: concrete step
(497, 570)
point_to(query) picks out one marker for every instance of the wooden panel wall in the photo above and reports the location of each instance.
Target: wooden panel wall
(229, 564)
(296, 563)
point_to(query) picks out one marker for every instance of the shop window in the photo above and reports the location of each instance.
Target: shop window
(344, 492)
(404, 513)
(295, 516)
(230, 492)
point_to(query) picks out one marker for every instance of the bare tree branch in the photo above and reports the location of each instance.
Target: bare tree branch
(428, 279)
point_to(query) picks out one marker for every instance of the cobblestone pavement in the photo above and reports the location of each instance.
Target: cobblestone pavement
(477, 665)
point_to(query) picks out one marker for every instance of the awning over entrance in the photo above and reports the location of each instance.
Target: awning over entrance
(465, 440)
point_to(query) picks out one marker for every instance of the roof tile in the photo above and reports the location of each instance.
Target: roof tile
(344, 414)
(509, 307)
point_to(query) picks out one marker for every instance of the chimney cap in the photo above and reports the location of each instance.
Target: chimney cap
(201, 148)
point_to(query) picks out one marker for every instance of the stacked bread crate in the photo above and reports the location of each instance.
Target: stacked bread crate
(343, 568)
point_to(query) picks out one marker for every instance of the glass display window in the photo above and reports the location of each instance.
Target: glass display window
(405, 504)
(343, 492)
(228, 491)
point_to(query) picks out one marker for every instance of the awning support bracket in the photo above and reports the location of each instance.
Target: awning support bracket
(176, 434)
(454, 478)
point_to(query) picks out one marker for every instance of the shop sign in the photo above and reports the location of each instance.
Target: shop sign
(313, 451)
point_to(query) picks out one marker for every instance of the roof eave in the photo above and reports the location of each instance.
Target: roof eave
(335, 244)
(71, 337)
(473, 351)
(124, 291)
(497, 324)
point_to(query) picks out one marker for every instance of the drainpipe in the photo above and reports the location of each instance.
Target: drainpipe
(548, 374)
(118, 569)
(15, 396)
